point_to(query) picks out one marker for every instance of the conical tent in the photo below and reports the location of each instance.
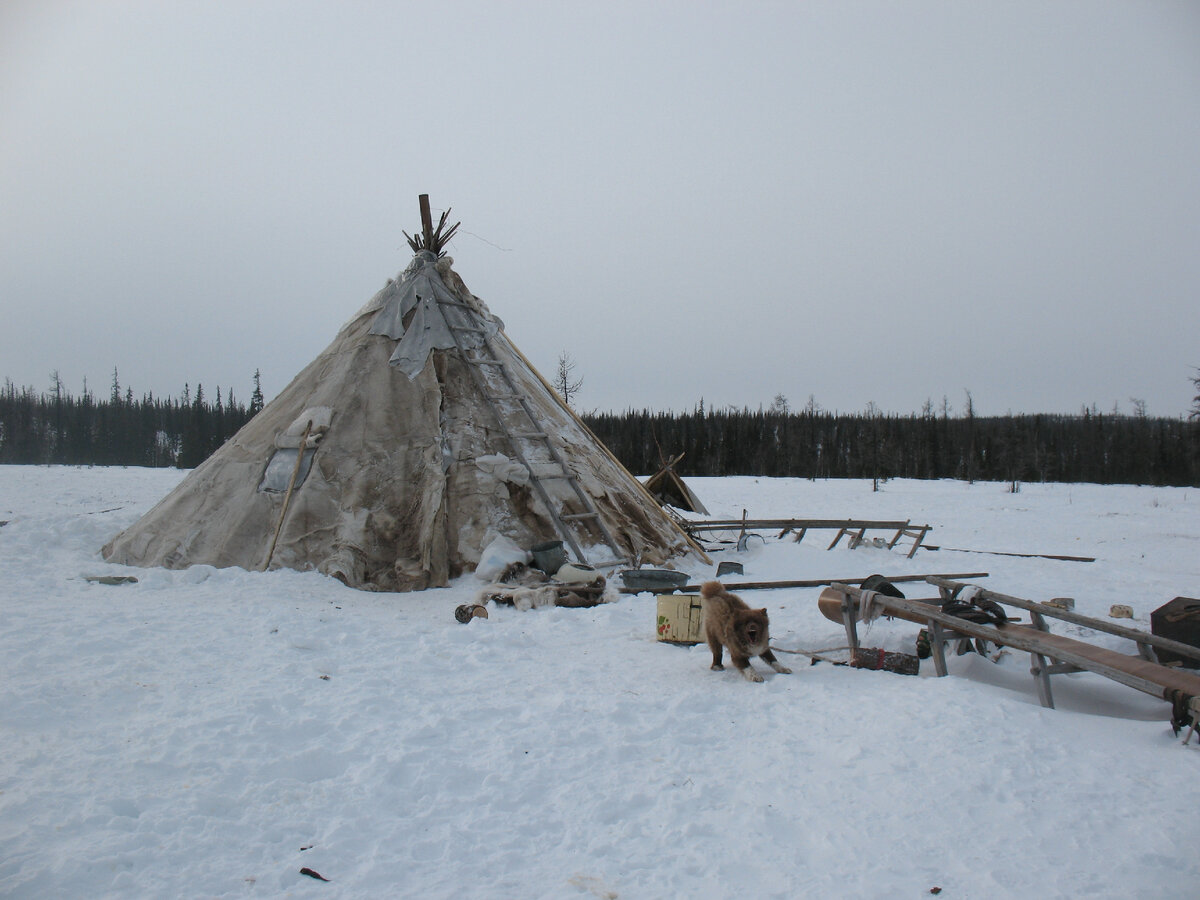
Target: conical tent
(418, 437)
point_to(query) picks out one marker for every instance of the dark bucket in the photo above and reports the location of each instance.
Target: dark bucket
(549, 557)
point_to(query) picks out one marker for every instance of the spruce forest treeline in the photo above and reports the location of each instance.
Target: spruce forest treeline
(1092, 447)
(57, 427)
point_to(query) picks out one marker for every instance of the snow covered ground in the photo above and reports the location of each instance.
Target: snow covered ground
(210, 733)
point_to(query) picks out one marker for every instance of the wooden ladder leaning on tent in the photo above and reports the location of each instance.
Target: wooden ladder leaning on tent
(466, 316)
(485, 356)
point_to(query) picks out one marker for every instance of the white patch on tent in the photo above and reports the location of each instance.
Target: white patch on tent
(501, 468)
(314, 422)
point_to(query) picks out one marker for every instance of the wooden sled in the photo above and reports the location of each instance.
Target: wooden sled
(855, 530)
(1051, 654)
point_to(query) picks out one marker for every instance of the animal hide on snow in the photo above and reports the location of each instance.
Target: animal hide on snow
(524, 597)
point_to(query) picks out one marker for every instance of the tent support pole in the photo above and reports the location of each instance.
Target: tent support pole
(426, 221)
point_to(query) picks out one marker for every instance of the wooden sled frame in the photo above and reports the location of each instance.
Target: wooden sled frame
(856, 529)
(1051, 654)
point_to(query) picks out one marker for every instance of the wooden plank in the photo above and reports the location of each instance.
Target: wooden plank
(791, 524)
(917, 539)
(1057, 556)
(814, 582)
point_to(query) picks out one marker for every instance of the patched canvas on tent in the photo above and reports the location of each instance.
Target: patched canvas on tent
(419, 436)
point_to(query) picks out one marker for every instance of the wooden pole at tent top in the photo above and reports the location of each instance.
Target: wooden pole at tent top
(426, 220)
(430, 238)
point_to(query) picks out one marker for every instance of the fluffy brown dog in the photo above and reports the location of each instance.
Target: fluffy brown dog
(729, 622)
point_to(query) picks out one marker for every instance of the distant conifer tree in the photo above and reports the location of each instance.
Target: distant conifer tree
(256, 396)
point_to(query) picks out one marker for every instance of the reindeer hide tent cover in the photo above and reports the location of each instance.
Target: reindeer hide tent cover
(406, 473)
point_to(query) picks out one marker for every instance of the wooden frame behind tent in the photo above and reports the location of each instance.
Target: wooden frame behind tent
(668, 488)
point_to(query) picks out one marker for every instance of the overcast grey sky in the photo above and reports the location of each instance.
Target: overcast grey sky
(858, 201)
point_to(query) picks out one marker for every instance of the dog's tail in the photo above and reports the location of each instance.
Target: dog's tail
(711, 589)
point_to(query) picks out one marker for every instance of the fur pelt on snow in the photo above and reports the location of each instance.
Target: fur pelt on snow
(549, 594)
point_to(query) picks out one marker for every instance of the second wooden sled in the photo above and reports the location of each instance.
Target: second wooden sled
(1051, 654)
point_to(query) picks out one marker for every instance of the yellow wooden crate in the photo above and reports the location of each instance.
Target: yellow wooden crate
(680, 619)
